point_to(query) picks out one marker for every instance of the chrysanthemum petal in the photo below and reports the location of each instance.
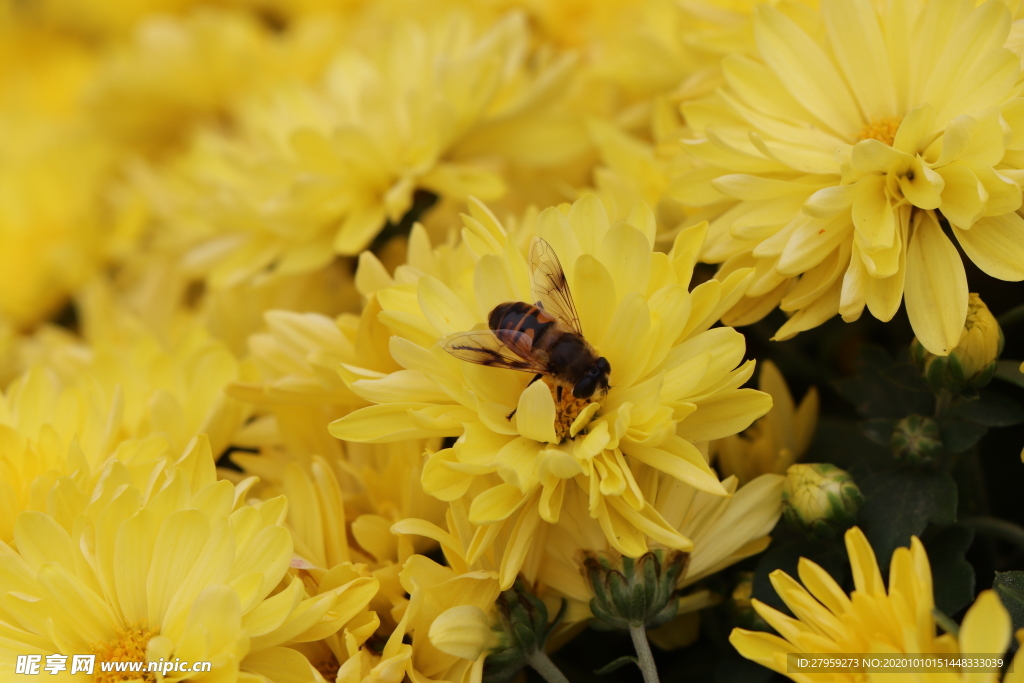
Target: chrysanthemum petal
(811, 78)
(996, 245)
(986, 628)
(627, 345)
(963, 195)
(936, 287)
(520, 540)
(496, 504)
(866, 576)
(535, 415)
(88, 619)
(766, 649)
(593, 292)
(441, 480)
(39, 539)
(727, 413)
(860, 51)
(282, 664)
(684, 462)
(463, 631)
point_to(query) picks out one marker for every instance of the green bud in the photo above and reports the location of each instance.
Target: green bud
(916, 440)
(820, 499)
(523, 629)
(632, 592)
(972, 363)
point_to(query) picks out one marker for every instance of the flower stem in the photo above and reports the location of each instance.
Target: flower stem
(543, 665)
(943, 401)
(643, 653)
(996, 528)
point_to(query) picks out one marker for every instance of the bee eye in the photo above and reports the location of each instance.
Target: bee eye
(604, 365)
(585, 387)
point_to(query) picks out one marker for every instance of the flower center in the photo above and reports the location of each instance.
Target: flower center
(129, 646)
(568, 407)
(328, 668)
(883, 129)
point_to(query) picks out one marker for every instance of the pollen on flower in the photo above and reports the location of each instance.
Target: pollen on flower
(129, 646)
(568, 408)
(883, 129)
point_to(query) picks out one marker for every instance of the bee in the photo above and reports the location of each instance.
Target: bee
(544, 338)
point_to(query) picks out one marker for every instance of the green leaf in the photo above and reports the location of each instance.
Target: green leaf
(952, 574)
(1009, 371)
(960, 435)
(1010, 588)
(990, 409)
(841, 442)
(884, 387)
(617, 664)
(900, 504)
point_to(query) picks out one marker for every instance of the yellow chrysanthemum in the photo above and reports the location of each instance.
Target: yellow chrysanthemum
(777, 440)
(180, 567)
(313, 171)
(52, 172)
(125, 396)
(173, 386)
(345, 497)
(454, 609)
(434, 590)
(672, 57)
(871, 620)
(49, 345)
(342, 508)
(674, 383)
(178, 72)
(340, 512)
(846, 143)
(723, 530)
(155, 288)
(298, 360)
(467, 626)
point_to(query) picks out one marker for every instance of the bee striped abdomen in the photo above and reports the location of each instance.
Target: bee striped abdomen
(519, 316)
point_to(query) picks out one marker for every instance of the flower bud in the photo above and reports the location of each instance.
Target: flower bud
(916, 440)
(632, 592)
(820, 499)
(973, 361)
(463, 631)
(743, 612)
(524, 630)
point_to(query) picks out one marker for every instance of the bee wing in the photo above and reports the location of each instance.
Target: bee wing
(497, 349)
(550, 288)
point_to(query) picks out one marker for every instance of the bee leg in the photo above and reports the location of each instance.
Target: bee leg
(558, 391)
(535, 378)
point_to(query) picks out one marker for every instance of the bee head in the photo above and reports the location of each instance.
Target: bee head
(596, 376)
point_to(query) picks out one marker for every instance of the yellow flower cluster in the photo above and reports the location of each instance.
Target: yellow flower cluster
(339, 340)
(873, 620)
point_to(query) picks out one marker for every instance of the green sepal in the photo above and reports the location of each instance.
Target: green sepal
(617, 664)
